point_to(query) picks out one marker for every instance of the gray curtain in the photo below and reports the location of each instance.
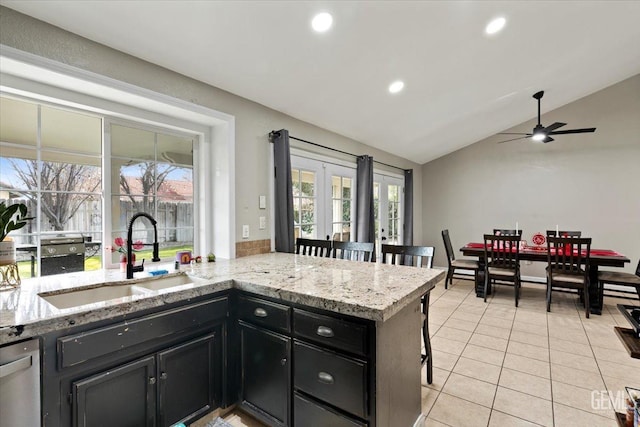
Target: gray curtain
(365, 223)
(407, 232)
(283, 193)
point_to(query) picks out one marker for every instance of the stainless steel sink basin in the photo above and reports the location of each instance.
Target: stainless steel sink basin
(113, 292)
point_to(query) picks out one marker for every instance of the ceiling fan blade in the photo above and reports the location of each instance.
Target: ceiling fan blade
(564, 132)
(513, 133)
(514, 139)
(548, 139)
(554, 126)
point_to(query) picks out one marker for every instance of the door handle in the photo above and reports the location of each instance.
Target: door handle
(15, 366)
(383, 238)
(163, 376)
(152, 380)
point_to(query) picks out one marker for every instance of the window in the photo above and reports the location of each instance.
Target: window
(51, 158)
(152, 172)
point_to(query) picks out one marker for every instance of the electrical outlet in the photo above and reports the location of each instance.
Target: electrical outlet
(245, 231)
(263, 222)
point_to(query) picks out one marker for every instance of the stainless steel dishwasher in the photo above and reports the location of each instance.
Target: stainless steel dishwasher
(20, 384)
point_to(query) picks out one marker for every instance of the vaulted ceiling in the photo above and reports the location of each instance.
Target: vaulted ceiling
(461, 85)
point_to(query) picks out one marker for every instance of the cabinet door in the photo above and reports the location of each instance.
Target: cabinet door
(265, 374)
(188, 376)
(124, 396)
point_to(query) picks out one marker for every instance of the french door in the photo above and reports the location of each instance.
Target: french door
(388, 199)
(323, 199)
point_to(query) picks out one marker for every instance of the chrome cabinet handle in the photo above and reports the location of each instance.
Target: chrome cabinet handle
(283, 361)
(15, 366)
(325, 378)
(260, 312)
(163, 376)
(152, 380)
(324, 331)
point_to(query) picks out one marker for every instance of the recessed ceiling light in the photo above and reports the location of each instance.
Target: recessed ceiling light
(495, 25)
(396, 86)
(322, 22)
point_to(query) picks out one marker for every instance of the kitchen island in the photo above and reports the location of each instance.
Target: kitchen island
(377, 304)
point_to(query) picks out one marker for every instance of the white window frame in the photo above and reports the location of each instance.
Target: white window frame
(40, 79)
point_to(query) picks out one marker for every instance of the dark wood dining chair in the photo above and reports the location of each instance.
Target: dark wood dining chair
(507, 232)
(502, 261)
(314, 247)
(620, 278)
(564, 233)
(416, 256)
(354, 251)
(568, 266)
(457, 264)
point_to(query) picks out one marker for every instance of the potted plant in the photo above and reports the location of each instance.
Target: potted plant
(12, 217)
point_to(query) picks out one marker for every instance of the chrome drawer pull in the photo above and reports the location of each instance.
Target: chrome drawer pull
(260, 312)
(324, 331)
(325, 378)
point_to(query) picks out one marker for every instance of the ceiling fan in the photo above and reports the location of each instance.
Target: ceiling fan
(541, 133)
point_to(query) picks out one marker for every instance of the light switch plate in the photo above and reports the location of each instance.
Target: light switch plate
(263, 222)
(245, 231)
(262, 202)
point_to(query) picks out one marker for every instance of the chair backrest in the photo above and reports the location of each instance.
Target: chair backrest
(507, 232)
(568, 255)
(354, 251)
(447, 246)
(564, 233)
(502, 251)
(418, 256)
(638, 269)
(313, 247)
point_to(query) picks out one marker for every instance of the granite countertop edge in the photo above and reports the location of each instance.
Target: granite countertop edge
(268, 275)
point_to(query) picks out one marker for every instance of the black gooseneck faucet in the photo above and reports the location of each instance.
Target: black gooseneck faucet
(130, 268)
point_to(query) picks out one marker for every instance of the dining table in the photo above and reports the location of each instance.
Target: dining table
(598, 258)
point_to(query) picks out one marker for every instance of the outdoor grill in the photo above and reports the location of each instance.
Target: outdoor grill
(62, 255)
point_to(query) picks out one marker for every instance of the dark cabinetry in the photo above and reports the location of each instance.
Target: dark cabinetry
(179, 382)
(320, 362)
(123, 396)
(265, 360)
(157, 369)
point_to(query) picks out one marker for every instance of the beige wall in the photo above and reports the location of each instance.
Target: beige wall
(588, 182)
(253, 121)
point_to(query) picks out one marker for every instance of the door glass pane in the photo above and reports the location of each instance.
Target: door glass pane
(393, 234)
(341, 208)
(304, 206)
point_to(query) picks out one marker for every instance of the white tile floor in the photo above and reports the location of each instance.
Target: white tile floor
(498, 365)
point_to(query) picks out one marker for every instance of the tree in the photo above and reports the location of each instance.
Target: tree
(67, 186)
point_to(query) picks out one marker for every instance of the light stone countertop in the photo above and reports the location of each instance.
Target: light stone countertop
(367, 290)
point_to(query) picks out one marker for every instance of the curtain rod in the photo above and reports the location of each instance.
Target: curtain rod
(333, 149)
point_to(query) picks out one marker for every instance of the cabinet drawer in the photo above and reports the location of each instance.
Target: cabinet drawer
(338, 380)
(330, 331)
(311, 414)
(264, 313)
(75, 349)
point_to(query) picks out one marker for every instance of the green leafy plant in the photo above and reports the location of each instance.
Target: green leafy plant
(12, 217)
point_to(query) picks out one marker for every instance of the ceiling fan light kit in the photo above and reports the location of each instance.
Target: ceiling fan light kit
(541, 133)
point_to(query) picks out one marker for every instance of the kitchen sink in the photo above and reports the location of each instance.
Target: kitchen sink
(75, 298)
(114, 291)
